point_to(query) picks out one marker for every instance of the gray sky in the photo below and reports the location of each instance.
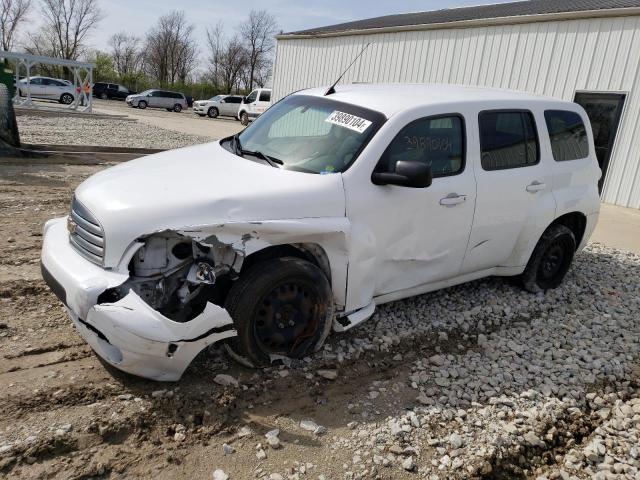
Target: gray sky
(136, 16)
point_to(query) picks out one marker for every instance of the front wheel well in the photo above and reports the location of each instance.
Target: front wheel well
(574, 221)
(311, 252)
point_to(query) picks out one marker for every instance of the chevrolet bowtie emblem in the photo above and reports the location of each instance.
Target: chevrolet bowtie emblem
(71, 225)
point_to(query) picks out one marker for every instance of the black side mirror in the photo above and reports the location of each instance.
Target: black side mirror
(407, 174)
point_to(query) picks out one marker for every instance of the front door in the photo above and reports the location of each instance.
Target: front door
(604, 111)
(420, 234)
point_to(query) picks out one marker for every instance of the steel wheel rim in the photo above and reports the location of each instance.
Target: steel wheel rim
(286, 317)
(553, 260)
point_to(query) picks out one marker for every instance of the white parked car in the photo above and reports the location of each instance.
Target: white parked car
(322, 209)
(254, 105)
(47, 88)
(220, 105)
(170, 101)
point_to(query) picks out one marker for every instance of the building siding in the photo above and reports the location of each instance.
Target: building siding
(548, 58)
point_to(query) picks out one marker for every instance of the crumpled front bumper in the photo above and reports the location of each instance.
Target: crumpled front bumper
(128, 334)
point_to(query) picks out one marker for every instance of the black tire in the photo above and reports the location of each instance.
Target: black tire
(244, 118)
(294, 293)
(104, 96)
(66, 99)
(177, 108)
(142, 104)
(213, 112)
(550, 260)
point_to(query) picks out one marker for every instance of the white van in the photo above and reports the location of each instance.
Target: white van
(254, 105)
(329, 204)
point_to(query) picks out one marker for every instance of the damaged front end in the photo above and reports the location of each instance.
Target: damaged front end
(153, 320)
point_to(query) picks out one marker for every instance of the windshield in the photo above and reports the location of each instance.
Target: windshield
(310, 134)
(146, 92)
(217, 98)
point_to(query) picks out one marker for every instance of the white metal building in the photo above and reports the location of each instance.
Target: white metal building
(582, 50)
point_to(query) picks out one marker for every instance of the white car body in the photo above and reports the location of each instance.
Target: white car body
(255, 104)
(376, 243)
(47, 88)
(220, 105)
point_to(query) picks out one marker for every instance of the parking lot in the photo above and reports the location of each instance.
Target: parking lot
(116, 124)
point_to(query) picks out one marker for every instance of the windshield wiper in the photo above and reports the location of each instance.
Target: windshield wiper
(237, 146)
(274, 162)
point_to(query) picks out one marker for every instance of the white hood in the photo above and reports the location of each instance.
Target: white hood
(198, 186)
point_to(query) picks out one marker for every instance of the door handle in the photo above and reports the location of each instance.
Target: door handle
(535, 187)
(453, 199)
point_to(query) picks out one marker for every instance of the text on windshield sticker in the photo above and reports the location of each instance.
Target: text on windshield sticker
(349, 121)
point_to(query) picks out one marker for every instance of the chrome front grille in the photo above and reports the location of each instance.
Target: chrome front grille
(85, 233)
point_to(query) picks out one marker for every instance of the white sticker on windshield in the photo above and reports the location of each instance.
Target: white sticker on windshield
(349, 121)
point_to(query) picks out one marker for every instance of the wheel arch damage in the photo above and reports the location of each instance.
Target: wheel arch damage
(136, 332)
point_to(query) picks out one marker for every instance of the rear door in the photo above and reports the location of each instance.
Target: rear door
(515, 198)
(224, 107)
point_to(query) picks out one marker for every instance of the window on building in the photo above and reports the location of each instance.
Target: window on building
(508, 139)
(436, 141)
(568, 135)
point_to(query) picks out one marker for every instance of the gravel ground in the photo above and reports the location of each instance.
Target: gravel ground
(72, 130)
(482, 380)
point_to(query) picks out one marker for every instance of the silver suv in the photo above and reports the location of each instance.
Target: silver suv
(172, 101)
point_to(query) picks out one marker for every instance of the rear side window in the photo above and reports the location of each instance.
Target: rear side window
(568, 135)
(265, 96)
(437, 141)
(508, 139)
(233, 99)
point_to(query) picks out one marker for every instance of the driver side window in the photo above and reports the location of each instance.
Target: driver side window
(437, 141)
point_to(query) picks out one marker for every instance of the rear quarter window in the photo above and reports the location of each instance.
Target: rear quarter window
(568, 135)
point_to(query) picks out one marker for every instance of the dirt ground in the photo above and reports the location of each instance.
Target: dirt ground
(65, 415)
(74, 418)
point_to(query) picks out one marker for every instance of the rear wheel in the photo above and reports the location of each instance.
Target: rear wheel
(550, 260)
(142, 104)
(104, 96)
(280, 307)
(244, 118)
(66, 99)
(213, 112)
(177, 108)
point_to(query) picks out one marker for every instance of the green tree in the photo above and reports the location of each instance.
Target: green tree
(104, 71)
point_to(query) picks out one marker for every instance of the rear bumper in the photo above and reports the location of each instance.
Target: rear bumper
(128, 334)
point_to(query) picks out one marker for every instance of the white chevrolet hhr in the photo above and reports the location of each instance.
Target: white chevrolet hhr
(332, 202)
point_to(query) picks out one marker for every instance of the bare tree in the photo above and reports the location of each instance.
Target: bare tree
(67, 23)
(125, 51)
(170, 49)
(228, 59)
(215, 44)
(13, 13)
(258, 37)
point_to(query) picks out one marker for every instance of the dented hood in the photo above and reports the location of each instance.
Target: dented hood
(201, 185)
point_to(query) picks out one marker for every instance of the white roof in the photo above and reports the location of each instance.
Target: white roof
(390, 98)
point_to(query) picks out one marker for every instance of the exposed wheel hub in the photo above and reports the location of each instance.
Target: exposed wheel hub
(287, 316)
